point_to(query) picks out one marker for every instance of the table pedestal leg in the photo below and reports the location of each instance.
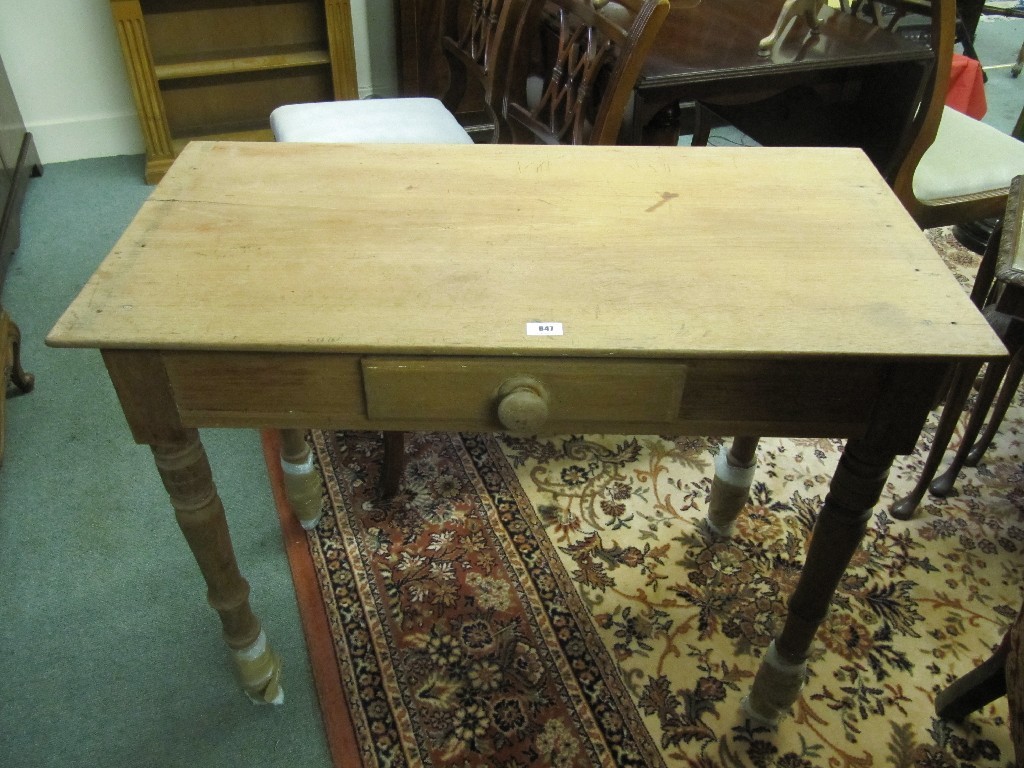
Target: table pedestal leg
(186, 475)
(855, 489)
(730, 489)
(301, 481)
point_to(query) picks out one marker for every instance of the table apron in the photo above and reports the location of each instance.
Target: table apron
(750, 88)
(164, 391)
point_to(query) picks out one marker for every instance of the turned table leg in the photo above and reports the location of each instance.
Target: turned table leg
(186, 475)
(855, 489)
(393, 466)
(730, 488)
(301, 480)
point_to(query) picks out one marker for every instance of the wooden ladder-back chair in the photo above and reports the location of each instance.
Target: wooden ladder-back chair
(476, 40)
(590, 55)
(473, 39)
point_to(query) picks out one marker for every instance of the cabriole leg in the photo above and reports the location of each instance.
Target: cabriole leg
(186, 475)
(960, 388)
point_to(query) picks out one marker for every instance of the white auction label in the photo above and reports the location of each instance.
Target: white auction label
(543, 329)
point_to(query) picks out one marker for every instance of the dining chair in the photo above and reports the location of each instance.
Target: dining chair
(573, 67)
(474, 43)
(956, 169)
(479, 50)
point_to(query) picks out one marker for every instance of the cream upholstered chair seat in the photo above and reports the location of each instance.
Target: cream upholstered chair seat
(369, 121)
(968, 157)
(474, 43)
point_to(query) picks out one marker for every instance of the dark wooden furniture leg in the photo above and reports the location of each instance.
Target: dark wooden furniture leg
(963, 380)
(942, 486)
(855, 489)
(1000, 674)
(972, 448)
(1015, 686)
(10, 364)
(730, 488)
(394, 463)
(702, 124)
(982, 685)
(1006, 394)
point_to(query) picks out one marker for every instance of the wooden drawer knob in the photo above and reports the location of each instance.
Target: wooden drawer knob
(523, 405)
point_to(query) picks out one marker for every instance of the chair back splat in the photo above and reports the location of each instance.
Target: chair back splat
(476, 42)
(574, 65)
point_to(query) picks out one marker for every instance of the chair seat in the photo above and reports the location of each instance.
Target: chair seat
(967, 157)
(376, 121)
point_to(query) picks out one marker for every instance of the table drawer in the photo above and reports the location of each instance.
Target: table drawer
(523, 395)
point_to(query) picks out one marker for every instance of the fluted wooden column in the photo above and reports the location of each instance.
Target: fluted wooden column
(131, 32)
(342, 47)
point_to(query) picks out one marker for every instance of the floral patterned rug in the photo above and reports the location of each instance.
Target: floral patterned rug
(558, 602)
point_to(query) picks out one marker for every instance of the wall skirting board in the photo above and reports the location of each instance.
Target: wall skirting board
(99, 136)
(60, 141)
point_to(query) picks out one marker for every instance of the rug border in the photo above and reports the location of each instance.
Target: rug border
(334, 710)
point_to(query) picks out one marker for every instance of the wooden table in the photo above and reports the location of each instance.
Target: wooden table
(721, 291)
(853, 84)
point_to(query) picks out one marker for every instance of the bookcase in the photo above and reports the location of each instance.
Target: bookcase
(215, 69)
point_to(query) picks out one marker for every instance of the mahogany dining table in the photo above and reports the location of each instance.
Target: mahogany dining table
(853, 84)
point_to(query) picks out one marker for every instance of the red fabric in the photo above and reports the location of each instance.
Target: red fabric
(966, 87)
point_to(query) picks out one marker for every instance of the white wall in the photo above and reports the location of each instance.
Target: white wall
(64, 63)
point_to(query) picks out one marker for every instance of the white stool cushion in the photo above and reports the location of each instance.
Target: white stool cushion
(966, 157)
(369, 121)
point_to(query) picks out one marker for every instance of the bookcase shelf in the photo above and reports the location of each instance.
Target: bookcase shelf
(214, 69)
(248, 60)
